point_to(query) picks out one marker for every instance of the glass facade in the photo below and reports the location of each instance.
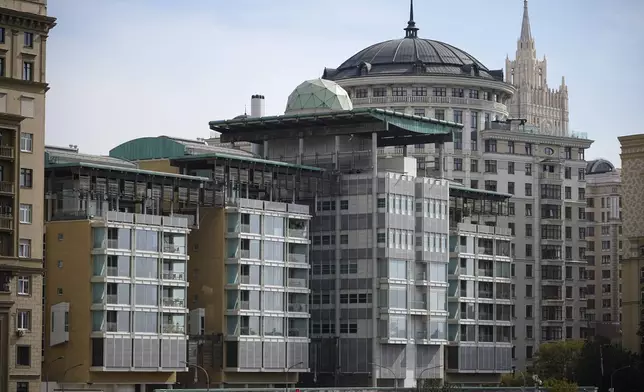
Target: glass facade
(267, 287)
(139, 293)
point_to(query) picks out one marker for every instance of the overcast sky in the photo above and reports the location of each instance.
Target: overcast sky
(122, 69)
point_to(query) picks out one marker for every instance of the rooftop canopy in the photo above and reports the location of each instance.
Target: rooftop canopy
(459, 190)
(206, 161)
(393, 128)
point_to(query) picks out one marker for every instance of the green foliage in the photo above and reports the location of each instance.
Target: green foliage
(558, 360)
(433, 385)
(517, 380)
(555, 385)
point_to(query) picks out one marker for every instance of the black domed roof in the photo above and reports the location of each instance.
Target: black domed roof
(599, 166)
(411, 55)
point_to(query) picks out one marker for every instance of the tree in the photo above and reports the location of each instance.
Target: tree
(558, 360)
(555, 385)
(517, 380)
(433, 385)
(599, 359)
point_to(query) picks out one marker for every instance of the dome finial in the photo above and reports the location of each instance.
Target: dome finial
(411, 31)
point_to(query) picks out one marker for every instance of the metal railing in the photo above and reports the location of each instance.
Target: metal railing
(169, 275)
(297, 282)
(298, 233)
(173, 328)
(112, 271)
(7, 187)
(297, 257)
(111, 327)
(112, 299)
(6, 152)
(174, 302)
(298, 307)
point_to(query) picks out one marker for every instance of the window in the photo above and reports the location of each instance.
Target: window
(26, 178)
(528, 352)
(398, 91)
(458, 92)
(510, 167)
(528, 189)
(419, 112)
(440, 92)
(2, 35)
(474, 120)
(528, 169)
(528, 227)
(439, 114)
(26, 142)
(490, 145)
(568, 173)
(24, 285)
(528, 149)
(24, 248)
(474, 94)
(344, 204)
(490, 166)
(22, 386)
(2, 66)
(568, 153)
(511, 188)
(29, 39)
(528, 250)
(458, 164)
(474, 166)
(528, 210)
(28, 71)
(510, 147)
(474, 184)
(419, 91)
(490, 185)
(361, 93)
(528, 271)
(23, 319)
(379, 92)
(458, 116)
(528, 311)
(25, 213)
(23, 355)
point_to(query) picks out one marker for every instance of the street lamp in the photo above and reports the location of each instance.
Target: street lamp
(47, 366)
(613, 373)
(420, 376)
(392, 373)
(288, 369)
(205, 372)
(62, 385)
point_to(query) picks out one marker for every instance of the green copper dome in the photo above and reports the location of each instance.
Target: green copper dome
(318, 96)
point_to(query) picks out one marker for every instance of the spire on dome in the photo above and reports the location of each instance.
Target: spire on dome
(526, 34)
(411, 31)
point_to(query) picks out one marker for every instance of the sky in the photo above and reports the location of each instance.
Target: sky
(123, 69)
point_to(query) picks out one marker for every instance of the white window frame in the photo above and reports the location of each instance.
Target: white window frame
(23, 320)
(26, 213)
(24, 285)
(24, 248)
(26, 142)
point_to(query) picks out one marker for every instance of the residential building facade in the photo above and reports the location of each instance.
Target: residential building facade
(24, 27)
(603, 248)
(633, 241)
(116, 294)
(534, 157)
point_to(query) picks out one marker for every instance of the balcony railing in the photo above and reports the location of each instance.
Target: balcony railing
(6, 221)
(244, 253)
(111, 327)
(7, 187)
(298, 233)
(244, 279)
(248, 331)
(112, 243)
(486, 294)
(112, 299)
(298, 307)
(550, 176)
(418, 305)
(421, 275)
(297, 332)
(486, 272)
(421, 335)
(243, 305)
(172, 248)
(173, 328)
(297, 258)
(174, 302)
(112, 271)
(169, 275)
(6, 152)
(297, 282)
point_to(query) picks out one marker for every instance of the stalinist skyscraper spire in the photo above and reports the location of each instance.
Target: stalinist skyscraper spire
(544, 108)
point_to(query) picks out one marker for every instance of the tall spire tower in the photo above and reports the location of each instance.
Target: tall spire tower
(545, 109)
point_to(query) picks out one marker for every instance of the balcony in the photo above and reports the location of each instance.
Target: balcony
(418, 305)
(5, 282)
(297, 283)
(298, 307)
(297, 258)
(6, 222)
(407, 99)
(297, 332)
(298, 233)
(111, 299)
(550, 176)
(172, 248)
(174, 302)
(112, 271)
(7, 187)
(173, 328)
(243, 305)
(6, 152)
(170, 275)
(111, 327)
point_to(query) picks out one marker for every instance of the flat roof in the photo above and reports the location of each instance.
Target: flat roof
(394, 128)
(123, 169)
(460, 190)
(247, 159)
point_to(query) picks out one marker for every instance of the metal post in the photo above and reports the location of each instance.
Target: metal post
(392, 373)
(62, 385)
(47, 372)
(420, 376)
(289, 369)
(613, 373)
(205, 372)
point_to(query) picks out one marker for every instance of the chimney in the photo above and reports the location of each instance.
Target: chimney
(257, 106)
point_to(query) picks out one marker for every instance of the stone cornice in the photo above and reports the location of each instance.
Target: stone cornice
(536, 138)
(437, 80)
(26, 21)
(24, 85)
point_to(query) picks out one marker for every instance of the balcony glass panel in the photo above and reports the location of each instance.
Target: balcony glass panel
(174, 296)
(437, 299)
(504, 334)
(273, 251)
(174, 270)
(174, 243)
(117, 321)
(174, 323)
(146, 267)
(99, 235)
(468, 333)
(437, 329)
(438, 272)
(119, 238)
(98, 320)
(298, 253)
(503, 312)
(397, 327)
(486, 312)
(486, 333)
(503, 290)
(486, 290)
(146, 294)
(273, 301)
(298, 327)
(274, 225)
(502, 248)
(147, 240)
(298, 303)
(250, 223)
(298, 228)
(503, 269)
(485, 268)
(233, 222)
(274, 326)
(468, 311)
(146, 322)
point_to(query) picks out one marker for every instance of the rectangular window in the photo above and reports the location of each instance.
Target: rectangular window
(24, 249)
(528, 189)
(458, 116)
(26, 142)
(23, 319)
(398, 91)
(25, 213)
(440, 92)
(22, 386)
(379, 92)
(3, 63)
(29, 39)
(2, 35)
(458, 93)
(26, 178)
(510, 167)
(24, 285)
(439, 114)
(23, 355)
(474, 94)
(28, 71)
(419, 112)
(458, 164)
(419, 91)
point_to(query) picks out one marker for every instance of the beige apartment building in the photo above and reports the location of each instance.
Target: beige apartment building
(24, 26)
(603, 248)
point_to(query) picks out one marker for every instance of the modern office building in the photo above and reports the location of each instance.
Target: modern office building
(379, 240)
(116, 262)
(515, 139)
(603, 248)
(632, 174)
(249, 261)
(24, 28)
